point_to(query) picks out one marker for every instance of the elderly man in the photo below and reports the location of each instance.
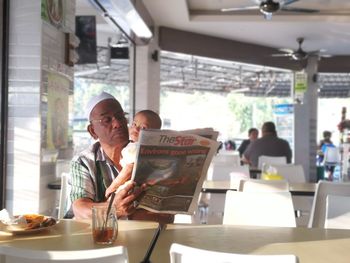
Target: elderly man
(269, 144)
(93, 170)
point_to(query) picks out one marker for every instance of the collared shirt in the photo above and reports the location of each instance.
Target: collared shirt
(91, 173)
(269, 145)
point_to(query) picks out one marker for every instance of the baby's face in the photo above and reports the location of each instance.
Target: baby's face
(140, 122)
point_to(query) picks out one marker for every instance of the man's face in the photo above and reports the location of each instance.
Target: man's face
(253, 135)
(108, 123)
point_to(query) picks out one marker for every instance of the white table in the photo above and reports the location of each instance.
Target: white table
(76, 235)
(310, 245)
(221, 187)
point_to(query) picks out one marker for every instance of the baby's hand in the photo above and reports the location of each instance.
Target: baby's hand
(123, 176)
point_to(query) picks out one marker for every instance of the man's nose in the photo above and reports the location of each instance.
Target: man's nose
(116, 123)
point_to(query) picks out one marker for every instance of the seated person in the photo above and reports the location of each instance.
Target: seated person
(253, 134)
(269, 144)
(94, 169)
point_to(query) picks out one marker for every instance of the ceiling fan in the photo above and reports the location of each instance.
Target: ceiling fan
(299, 54)
(269, 7)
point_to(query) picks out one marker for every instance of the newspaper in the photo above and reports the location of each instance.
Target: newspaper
(173, 165)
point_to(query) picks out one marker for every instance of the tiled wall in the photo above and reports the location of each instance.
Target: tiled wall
(35, 47)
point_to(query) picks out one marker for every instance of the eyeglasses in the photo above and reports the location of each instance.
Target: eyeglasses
(106, 120)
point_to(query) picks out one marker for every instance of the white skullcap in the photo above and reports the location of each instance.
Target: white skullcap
(95, 100)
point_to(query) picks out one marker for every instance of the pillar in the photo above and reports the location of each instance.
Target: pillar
(145, 77)
(305, 124)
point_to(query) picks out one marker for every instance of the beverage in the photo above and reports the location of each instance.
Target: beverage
(104, 228)
(104, 236)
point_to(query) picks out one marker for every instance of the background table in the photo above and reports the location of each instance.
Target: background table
(310, 245)
(221, 187)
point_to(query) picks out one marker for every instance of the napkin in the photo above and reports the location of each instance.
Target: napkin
(7, 221)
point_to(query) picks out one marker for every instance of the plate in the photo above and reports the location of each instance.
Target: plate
(29, 231)
(42, 223)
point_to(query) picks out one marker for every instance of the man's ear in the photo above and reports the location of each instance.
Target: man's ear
(91, 130)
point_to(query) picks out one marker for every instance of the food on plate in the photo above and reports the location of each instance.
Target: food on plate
(36, 221)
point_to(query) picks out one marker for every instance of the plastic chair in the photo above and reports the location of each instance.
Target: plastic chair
(257, 185)
(337, 212)
(259, 209)
(103, 255)
(264, 159)
(185, 254)
(293, 173)
(64, 196)
(318, 210)
(238, 173)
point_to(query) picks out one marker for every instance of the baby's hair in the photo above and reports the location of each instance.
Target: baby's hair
(154, 117)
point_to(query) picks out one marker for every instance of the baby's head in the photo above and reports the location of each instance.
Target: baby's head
(145, 119)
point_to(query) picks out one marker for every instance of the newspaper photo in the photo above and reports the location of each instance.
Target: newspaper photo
(173, 165)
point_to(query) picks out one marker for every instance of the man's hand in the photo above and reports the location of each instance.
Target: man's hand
(125, 195)
(123, 176)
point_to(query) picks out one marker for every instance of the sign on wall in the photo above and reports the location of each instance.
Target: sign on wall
(52, 11)
(57, 111)
(300, 86)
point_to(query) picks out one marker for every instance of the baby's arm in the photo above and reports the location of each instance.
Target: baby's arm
(123, 176)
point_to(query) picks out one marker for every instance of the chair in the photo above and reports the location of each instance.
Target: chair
(259, 209)
(185, 254)
(258, 185)
(64, 201)
(337, 212)
(318, 210)
(264, 159)
(238, 173)
(102, 255)
(293, 173)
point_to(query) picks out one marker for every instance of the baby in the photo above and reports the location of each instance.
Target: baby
(145, 119)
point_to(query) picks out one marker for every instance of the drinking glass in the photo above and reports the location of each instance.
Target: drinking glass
(104, 229)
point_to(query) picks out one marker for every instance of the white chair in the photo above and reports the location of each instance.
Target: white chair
(337, 212)
(318, 210)
(259, 209)
(264, 159)
(293, 173)
(102, 255)
(64, 201)
(185, 254)
(258, 185)
(183, 219)
(238, 173)
(62, 166)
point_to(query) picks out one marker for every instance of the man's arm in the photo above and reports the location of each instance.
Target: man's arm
(123, 176)
(123, 202)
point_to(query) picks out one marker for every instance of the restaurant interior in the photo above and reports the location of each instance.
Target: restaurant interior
(228, 65)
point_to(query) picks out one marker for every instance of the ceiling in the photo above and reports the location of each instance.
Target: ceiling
(329, 32)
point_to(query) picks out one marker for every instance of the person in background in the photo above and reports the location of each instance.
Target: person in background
(94, 169)
(269, 144)
(253, 134)
(230, 145)
(325, 143)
